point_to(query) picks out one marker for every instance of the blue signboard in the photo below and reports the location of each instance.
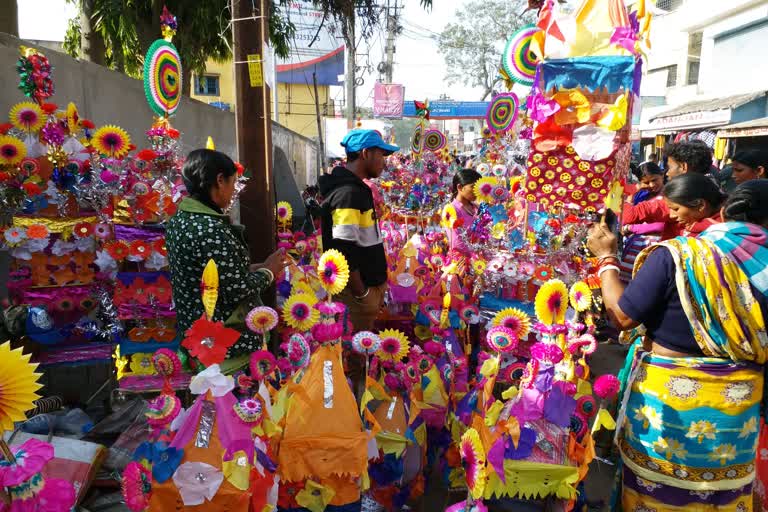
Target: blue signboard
(450, 109)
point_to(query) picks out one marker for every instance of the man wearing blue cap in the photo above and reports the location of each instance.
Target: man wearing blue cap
(350, 224)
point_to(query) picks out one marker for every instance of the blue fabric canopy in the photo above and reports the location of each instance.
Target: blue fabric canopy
(616, 74)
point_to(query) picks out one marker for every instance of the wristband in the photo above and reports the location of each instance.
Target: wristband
(270, 275)
(607, 268)
(367, 291)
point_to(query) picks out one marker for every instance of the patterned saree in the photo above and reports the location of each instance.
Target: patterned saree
(690, 424)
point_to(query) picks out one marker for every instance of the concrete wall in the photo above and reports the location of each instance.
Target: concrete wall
(293, 152)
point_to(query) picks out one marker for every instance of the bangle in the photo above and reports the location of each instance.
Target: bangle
(270, 275)
(367, 291)
(606, 268)
(608, 257)
(608, 261)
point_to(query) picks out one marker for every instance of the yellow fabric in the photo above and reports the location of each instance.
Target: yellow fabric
(720, 147)
(526, 479)
(596, 21)
(615, 117)
(492, 414)
(575, 107)
(353, 217)
(322, 439)
(54, 225)
(603, 420)
(314, 497)
(237, 473)
(509, 392)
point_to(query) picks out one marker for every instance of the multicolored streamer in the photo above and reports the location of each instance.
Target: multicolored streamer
(518, 61)
(502, 112)
(162, 78)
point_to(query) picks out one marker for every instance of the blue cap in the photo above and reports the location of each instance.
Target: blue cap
(358, 140)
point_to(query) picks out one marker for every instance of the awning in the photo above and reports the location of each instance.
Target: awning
(753, 128)
(700, 114)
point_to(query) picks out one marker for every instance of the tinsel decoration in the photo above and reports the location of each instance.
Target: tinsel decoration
(107, 326)
(34, 74)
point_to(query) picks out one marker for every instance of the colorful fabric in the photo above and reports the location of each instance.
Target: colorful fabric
(747, 244)
(691, 424)
(633, 246)
(715, 293)
(560, 177)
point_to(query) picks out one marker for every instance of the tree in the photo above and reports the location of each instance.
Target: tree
(472, 46)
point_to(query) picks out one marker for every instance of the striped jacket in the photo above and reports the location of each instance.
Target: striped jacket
(349, 224)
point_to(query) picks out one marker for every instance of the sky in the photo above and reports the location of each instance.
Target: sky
(418, 65)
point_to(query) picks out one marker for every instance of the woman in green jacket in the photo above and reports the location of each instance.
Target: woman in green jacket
(201, 231)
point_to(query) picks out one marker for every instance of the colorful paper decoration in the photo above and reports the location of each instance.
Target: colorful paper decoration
(518, 61)
(560, 177)
(210, 288)
(333, 270)
(502, 112)
(162, 78)
(434, 140)
(18, 386)
(417, 139)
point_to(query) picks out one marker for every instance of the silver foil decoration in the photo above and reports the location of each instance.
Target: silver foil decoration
(328, 384)
(205, 427)
(391, 410)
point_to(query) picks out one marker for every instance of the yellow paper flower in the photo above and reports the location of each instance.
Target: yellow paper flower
(12, 150)
(112, 141)
(18, 386)
(141, 364)
(237, 470)
(484, 189)
(27, 116)
(581, 296)
(499, 230)
(449, 216)
(515, 319)
(394, 345)
(284, 212)
(552, 302)
(73, 118)
(473, 460)
(333, 271)
(299, 311)
(479, 266)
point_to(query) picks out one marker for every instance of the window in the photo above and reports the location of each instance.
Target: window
(693, 72)
(671, 75)
(669, 5)
(207, 85)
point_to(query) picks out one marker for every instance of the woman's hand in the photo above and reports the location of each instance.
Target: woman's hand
(275, 263)
(601, 241)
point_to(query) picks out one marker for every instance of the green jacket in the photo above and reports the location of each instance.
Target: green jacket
(195, 235)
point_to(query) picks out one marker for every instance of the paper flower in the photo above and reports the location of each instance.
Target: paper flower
(210, 284)
(161, 290)
(27, 116)
(117, 249)
(366, 342)
(297, 350)
(138, 250)
(73, 118)
(197, 482)
(136, 487)
(546, 352)
(83, 229)
(112, 141)
(261, 319)
(484, 189)
(12, 150)
(502, 339)
(333, 271)
(160, 247)
(211, 379)
(162, 410)
(607, 386)
(37, 232)
(581, 296)
(14, 236)
(552, 302)
(299, 311)
(263, 364)
(543, 273)
(166, 362)
(208, 341)
(394, 345)
(18, 386)
(473, 460)
(284, 212)
(449, 218)
(514, 319)
(250, 411)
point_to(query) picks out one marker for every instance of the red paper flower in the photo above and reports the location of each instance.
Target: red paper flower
(32, 189)
(173, 133)
(159, 247)
(139, 249)
(83, 229)
(161, 290)
(49, 108)
(139, 291)
(87, 123)
(240, 168)
(146, 155)
(5, 127)
(117, 249)
(208, 341)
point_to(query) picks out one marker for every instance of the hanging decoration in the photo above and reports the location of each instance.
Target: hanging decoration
(517, 60)
(502, 112)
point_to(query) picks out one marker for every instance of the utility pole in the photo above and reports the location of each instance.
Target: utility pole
(391, 34)
(351, 64)
(253, 124)
(319, 126)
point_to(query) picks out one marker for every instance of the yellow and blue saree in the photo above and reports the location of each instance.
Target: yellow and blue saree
(690, 424)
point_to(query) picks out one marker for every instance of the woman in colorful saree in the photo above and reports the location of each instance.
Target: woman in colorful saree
(689, 418)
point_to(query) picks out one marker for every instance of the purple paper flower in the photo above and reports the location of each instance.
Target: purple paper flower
(52, 134)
